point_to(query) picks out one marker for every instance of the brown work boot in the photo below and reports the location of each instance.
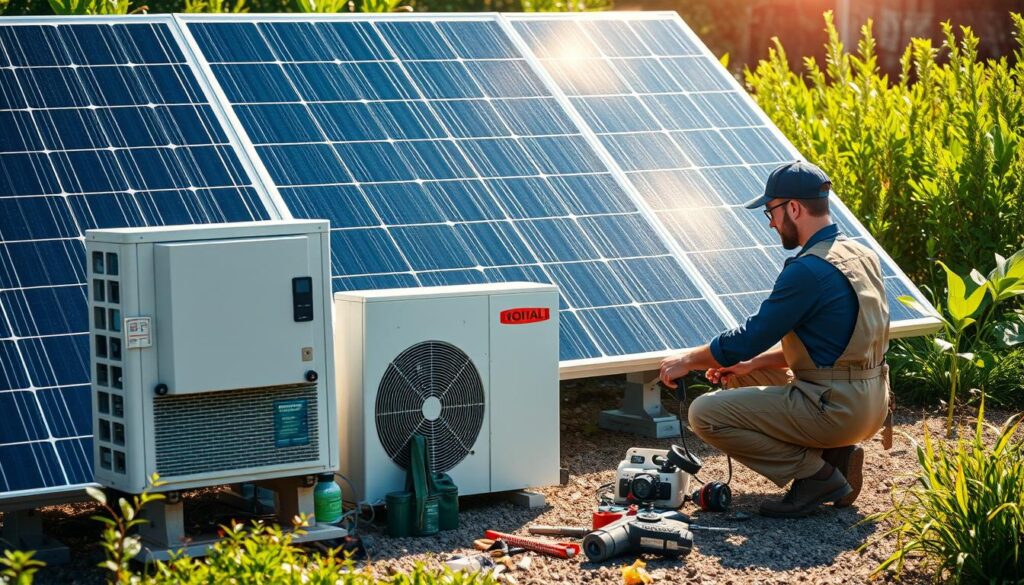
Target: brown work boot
(850, 462)
(805, 495)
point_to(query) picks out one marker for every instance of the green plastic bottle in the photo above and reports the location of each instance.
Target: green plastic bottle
(327, 499)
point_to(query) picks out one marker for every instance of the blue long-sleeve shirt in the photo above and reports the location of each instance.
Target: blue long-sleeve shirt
(812, 298)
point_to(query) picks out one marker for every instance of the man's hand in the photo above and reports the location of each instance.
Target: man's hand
(677, 366)
(724, 375)
(673, 368)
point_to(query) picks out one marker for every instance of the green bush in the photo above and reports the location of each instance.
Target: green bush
(931, 163)
(258, 553)
(1005, 381)
(976, 347)
(963, 517)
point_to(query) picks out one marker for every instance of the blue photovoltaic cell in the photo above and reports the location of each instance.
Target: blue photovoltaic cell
(118, 134)
(692, 146)
(441, 157)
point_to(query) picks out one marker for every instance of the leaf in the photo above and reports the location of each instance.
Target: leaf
(1009, 332)
(959, 304)
(1000, 270)
(1015, 265)
(943, 345)
(132, 546)
(968, 356)
(126, 509)
(978, 278)
(724, 60)
(97, 494)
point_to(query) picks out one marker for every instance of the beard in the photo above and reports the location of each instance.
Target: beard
(788, 233)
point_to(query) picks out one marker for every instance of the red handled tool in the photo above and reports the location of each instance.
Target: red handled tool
(562, 550)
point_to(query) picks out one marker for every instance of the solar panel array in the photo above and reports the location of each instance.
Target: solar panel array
(103, 126)
(441, 157)
(607, 155)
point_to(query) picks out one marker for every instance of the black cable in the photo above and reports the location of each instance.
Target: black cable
(682, 435)
(682, 399)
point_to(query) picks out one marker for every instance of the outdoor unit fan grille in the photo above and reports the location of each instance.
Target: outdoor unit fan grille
(431, 389)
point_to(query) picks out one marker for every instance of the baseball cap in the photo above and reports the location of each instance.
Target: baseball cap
(794, 180)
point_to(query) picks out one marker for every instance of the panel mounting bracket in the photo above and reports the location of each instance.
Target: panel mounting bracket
(641, 413)
(23, 530)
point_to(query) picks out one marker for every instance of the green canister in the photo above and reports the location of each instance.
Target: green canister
(327, 499)
(428, 521)
(400, 511)
(448, 494)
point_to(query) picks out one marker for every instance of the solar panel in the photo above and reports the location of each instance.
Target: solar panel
(442, 157)
(691, 143)
(105, 125)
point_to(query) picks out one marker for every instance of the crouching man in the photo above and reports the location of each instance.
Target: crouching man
(806, 375)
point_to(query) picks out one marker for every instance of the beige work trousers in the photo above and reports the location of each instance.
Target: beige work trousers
(779, 429)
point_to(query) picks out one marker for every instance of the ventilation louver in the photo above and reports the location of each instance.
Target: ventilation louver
(431, 389)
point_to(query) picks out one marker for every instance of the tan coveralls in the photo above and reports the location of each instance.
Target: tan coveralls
(779, 422)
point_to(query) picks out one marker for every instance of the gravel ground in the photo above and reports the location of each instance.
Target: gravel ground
(817, 549)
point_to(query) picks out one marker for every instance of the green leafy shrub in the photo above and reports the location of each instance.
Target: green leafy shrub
(81, 7)
(1004, 383)
(18, 567)
(215, 6)
(258, 553)
(963, 517)
(264, 554)
(975, 348)
(930, 162)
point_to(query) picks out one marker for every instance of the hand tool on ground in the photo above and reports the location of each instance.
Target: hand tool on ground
(562, 550)
(496, 547)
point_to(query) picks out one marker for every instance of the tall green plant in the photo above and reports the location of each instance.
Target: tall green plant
(119, 541)
(975, 324)
(83, 7)
(964, 516)
(322, 5)
(960, 309)
(565, 5)
(931, 161)
(215, 6)
(352, 6)
(18, 567)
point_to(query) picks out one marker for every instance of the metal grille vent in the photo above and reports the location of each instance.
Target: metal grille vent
(431, 389)
(220, 431)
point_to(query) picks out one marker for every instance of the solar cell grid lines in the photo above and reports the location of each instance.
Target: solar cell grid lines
(442, 157)
(689, 140)
(104, 125)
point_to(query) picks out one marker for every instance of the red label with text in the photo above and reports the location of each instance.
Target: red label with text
(524, 315)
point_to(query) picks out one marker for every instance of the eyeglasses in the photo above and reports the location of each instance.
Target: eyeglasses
(768, 210)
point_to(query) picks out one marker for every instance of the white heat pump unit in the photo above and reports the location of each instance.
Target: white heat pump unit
(472, 368)
(212, 357)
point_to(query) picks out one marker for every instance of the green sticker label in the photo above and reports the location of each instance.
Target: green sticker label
(291, 424)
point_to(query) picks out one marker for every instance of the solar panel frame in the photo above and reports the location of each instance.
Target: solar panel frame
(50, 392)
